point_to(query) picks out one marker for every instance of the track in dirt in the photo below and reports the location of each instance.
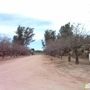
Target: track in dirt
(32, 73)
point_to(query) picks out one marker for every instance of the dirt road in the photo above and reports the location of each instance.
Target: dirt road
(33, 73)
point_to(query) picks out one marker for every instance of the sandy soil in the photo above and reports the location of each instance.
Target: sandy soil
(37, 73)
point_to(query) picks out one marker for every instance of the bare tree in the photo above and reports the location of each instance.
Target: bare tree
(76, 41)
(4, 45)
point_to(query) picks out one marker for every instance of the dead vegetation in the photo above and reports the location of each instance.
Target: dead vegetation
(81, 71)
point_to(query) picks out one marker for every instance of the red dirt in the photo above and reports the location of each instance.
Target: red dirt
(32, 73)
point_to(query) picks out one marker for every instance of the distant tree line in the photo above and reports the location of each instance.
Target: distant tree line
(19, 45)
(71, 39)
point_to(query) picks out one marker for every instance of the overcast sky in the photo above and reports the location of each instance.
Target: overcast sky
(41, 15)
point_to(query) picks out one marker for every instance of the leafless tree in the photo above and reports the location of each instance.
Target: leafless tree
(4, 45)
(76, 41)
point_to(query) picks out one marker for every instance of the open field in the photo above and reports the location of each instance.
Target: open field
(39, 72)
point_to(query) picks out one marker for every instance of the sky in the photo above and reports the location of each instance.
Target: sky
(41, 15)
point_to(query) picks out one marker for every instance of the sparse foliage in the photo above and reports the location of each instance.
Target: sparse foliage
(24, 35)
(69, 39)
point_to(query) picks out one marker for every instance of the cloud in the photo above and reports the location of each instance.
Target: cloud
(17, 19)
(10, 22)
(41, 15)
(38, 35)
(54, 10)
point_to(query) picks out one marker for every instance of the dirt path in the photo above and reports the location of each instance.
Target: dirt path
(32, 73)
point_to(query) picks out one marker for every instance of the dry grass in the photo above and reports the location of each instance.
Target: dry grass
(7, 58)
(81, 71)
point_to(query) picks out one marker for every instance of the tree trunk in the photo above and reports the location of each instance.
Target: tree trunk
(69, 57)
(61, 56)
(76, 56)
(87, 55)
(3, 54)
